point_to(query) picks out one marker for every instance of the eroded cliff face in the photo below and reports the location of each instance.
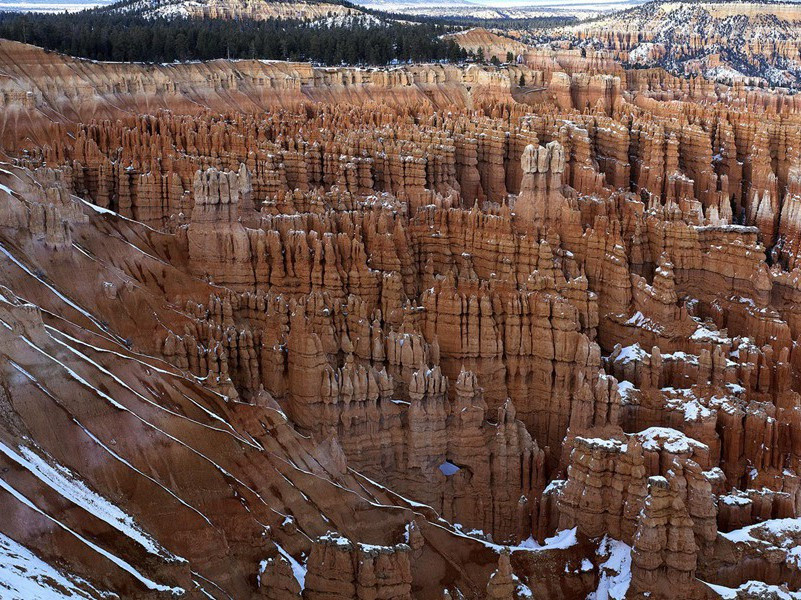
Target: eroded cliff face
(275, 331)
(490, 44)
(747, 42)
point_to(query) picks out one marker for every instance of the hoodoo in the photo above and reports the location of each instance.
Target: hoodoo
(441, 330)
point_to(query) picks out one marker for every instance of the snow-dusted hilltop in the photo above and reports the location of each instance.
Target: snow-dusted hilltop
(488, 9)
(240, 9)
(725, 41)
(490, 44)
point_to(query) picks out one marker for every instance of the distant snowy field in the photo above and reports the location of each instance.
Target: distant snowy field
(500, 4)
(49, 5)
(495, 9)
(430, 6)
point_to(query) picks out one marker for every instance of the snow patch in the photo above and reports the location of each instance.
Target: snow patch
(24, 576)
(671, 440)
(66, 483)
(615, 570)
(298, 570)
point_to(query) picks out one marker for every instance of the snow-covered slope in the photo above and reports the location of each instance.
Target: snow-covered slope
(510, 9)
(240, 9)
(725, 41)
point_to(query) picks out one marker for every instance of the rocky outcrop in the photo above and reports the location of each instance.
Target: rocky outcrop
(490, 43)
(679, 35)
(664, 554)
(540, 200)
(339, 569)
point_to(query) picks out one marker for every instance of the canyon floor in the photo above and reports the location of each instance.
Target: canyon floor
(276, 331)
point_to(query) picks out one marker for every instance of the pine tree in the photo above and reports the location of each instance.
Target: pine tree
(102, 35)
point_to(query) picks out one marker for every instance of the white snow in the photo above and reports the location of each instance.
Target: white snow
(360, 20)
(680, 356)
(734, 500)
(615, 570)
(337, 539)
(685, 400)
(724, 74)
(24, 576)
(106, 211)
(636, 319)
(784, 534)
(66, 483)
(554, 485)
(754, 589)
(49, 6)
(695, 411)
(708, 335)
(604, 443)
(671, 440)
(148, 583)
(625, 389)
(633, 353)
(298, 570)
(560, 541)
(640, 53)
(779, 528)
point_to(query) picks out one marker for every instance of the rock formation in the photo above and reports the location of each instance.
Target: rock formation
(398, 333)
(735, 43)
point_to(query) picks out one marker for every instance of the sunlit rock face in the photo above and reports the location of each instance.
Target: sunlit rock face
(270, 331)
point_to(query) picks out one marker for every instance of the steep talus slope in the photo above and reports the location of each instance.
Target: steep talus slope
(491, 44)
